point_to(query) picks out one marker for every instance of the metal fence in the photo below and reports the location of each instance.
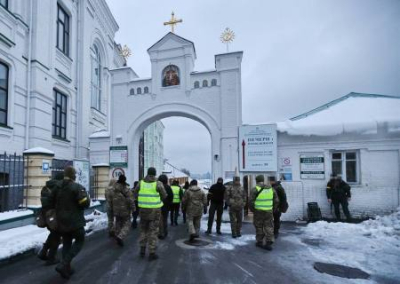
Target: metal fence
(58, 166)
(12, 181)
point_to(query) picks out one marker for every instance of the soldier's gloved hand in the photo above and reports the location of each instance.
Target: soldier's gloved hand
(330, 200)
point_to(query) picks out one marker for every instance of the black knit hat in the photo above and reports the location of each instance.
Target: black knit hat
(151, 171)
(259, 178)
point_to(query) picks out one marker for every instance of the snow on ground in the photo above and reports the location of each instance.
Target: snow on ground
(19, 240)
(14, 214)
(373, 245)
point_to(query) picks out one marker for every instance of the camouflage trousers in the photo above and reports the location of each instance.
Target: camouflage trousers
(264, 224)
(149, 232)
(194, 224)
(110, 217)
(122, 226)
(236, 217)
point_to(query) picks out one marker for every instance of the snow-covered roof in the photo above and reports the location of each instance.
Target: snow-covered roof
(39, 150)
(355, 112)
(173, 172)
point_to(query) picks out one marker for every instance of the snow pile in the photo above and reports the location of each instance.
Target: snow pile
(22, 239)
(355, 113)
(19, 240)
(15, 214)
(373, 245)
(96, 221)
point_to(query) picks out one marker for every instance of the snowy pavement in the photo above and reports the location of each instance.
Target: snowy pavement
(372, 246)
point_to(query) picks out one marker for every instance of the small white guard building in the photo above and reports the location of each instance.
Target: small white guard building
(357, 136)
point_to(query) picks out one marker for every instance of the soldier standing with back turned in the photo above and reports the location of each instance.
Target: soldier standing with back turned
(235, 198)
(150, 194)
(263, 202)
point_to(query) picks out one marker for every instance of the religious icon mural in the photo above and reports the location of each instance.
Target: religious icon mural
(170, 76)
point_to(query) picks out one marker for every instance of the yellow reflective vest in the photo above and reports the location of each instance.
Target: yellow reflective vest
(149, 197)
(264, 200)
(175, 191)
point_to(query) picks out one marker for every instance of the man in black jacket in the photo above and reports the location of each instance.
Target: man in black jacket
(338, 193)
(216, 197)
(163, 232)
(283, 204)
(50, 247)
(71, 199)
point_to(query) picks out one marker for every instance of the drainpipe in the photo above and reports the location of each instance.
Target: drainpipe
(29, 75)
(78, 80)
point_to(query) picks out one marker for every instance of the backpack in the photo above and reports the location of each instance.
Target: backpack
(46, 218)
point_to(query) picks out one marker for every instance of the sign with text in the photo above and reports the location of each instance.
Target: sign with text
(285, 169)
(258, 148)
(119, 156)
(82, 173)
(312, 166)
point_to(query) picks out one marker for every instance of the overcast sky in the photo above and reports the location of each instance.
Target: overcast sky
(298, 55)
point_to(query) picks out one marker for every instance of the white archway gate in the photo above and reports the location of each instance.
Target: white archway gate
(212, 98)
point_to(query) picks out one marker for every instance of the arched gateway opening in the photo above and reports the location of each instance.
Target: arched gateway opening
(172, 91)
(173, 110)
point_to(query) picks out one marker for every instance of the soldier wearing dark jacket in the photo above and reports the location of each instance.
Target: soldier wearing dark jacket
(166, 207)
(338, 192)
(122, 206)
(71, 199)
(150, 193)
(49, 249)
(216, 197)
(283, 204)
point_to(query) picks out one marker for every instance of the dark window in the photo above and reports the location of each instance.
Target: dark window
(196, 84)
(146, 90)
(132, 92)
(213, 82)
(205, 83)
(96, 78)
(139, 91)
(4, 3)
(346, 164)
(60, 115)
(3, 93)
(62, 30)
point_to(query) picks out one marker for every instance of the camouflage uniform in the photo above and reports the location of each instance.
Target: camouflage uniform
(122, 206)
(193, 203)
(110, 214)
(150, 218)
(263, 220)
(235, 198)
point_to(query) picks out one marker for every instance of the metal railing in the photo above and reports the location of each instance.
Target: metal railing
(12, 181)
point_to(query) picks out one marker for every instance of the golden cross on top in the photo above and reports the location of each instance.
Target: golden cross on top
(173, 22)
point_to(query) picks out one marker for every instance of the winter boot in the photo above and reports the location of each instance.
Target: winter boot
(192, 237)
(52, 261)
(142, 251)
(153, 256)
(208, 232)
(268, 246)
(259, 244)
(234, 236)
(111, 234)
(64, 270)
(219, 232)
(120, 242)
(239, 235)
(43, 252)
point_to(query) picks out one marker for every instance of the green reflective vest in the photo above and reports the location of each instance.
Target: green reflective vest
(149, 196)
(264, 200)
(175, 190)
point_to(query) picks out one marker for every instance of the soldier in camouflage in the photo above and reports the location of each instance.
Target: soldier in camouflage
(193, 203)
(122, 206)
(235, 198)
(150, 194)
(110, 214)
(263, 202)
